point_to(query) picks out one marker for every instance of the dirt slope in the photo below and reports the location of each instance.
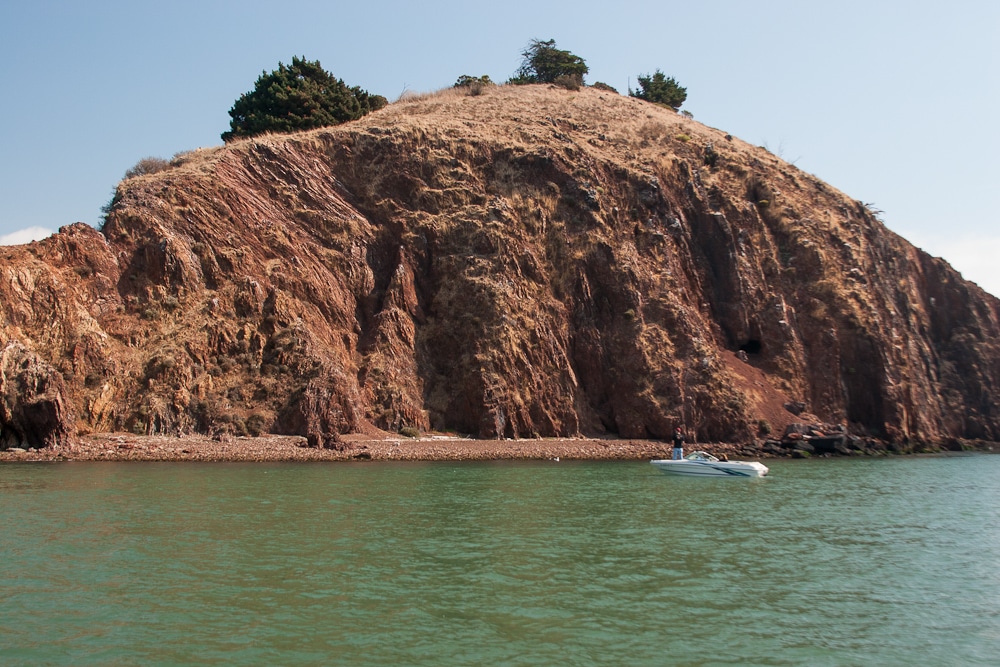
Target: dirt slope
(526, 262)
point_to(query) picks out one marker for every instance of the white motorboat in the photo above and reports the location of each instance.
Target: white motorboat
(702, 464)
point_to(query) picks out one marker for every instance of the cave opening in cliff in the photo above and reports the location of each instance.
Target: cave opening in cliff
(752, 346)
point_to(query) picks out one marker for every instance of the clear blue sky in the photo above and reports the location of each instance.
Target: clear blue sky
(894, 103)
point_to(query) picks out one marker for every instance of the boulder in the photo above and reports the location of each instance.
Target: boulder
(34, 408)
(827, 444)
(795, 407)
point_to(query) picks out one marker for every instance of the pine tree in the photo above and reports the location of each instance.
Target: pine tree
(295, 97)
(660, 89)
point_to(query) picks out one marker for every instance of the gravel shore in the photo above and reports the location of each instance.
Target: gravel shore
(128, 447)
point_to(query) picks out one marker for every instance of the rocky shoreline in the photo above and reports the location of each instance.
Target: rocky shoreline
(128, 447)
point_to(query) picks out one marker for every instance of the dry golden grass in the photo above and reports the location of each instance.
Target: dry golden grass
(461, 153)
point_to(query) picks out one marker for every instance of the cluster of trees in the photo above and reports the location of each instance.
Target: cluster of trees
(544, 63)
(303, 95)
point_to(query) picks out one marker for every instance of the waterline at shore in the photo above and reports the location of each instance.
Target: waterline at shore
(128, 447)
(389, 447)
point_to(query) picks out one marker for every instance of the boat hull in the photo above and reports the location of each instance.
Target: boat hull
(711, 468)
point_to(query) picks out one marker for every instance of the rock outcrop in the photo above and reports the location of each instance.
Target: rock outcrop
(34, 408)
(529, 261)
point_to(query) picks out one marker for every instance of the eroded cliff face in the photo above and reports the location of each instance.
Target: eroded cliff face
(529, 261)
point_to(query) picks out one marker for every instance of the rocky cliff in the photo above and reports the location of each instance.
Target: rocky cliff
(528, 261)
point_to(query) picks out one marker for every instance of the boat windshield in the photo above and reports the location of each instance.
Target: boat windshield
(700, 456)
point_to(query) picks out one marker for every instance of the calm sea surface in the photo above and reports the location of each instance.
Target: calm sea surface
(833, 562)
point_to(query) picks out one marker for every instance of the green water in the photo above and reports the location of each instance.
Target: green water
(834, 562)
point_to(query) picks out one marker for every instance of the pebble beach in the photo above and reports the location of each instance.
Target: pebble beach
(128, 447)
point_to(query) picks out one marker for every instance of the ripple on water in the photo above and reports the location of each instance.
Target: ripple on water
(886, 561)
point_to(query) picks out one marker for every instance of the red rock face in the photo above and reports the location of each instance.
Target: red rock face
(524, 262)
(33, 405)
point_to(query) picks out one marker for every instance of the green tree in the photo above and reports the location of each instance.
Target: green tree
(660, 89)
(300, 96)
(544, 63)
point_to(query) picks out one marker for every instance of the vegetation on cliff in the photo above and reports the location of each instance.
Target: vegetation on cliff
(544, 63)
(295, 97)
(660, 89)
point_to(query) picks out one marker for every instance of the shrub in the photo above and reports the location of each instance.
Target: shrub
(159, 365)
(473, 85)
(182, 157)
(409, 432)
(106, 209)
(295, 97)
(759, 191)
(544, 63)
(710, 155)
(874, 211)
(600, 85)
(255, 424)
(660, 89)
(568, 82)
(652, 131)
(147, 165)
(238, 427)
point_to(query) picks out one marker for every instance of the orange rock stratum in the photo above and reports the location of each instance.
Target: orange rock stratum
(525, 262)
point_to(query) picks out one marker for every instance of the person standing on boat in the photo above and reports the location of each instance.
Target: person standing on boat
(678, 444)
